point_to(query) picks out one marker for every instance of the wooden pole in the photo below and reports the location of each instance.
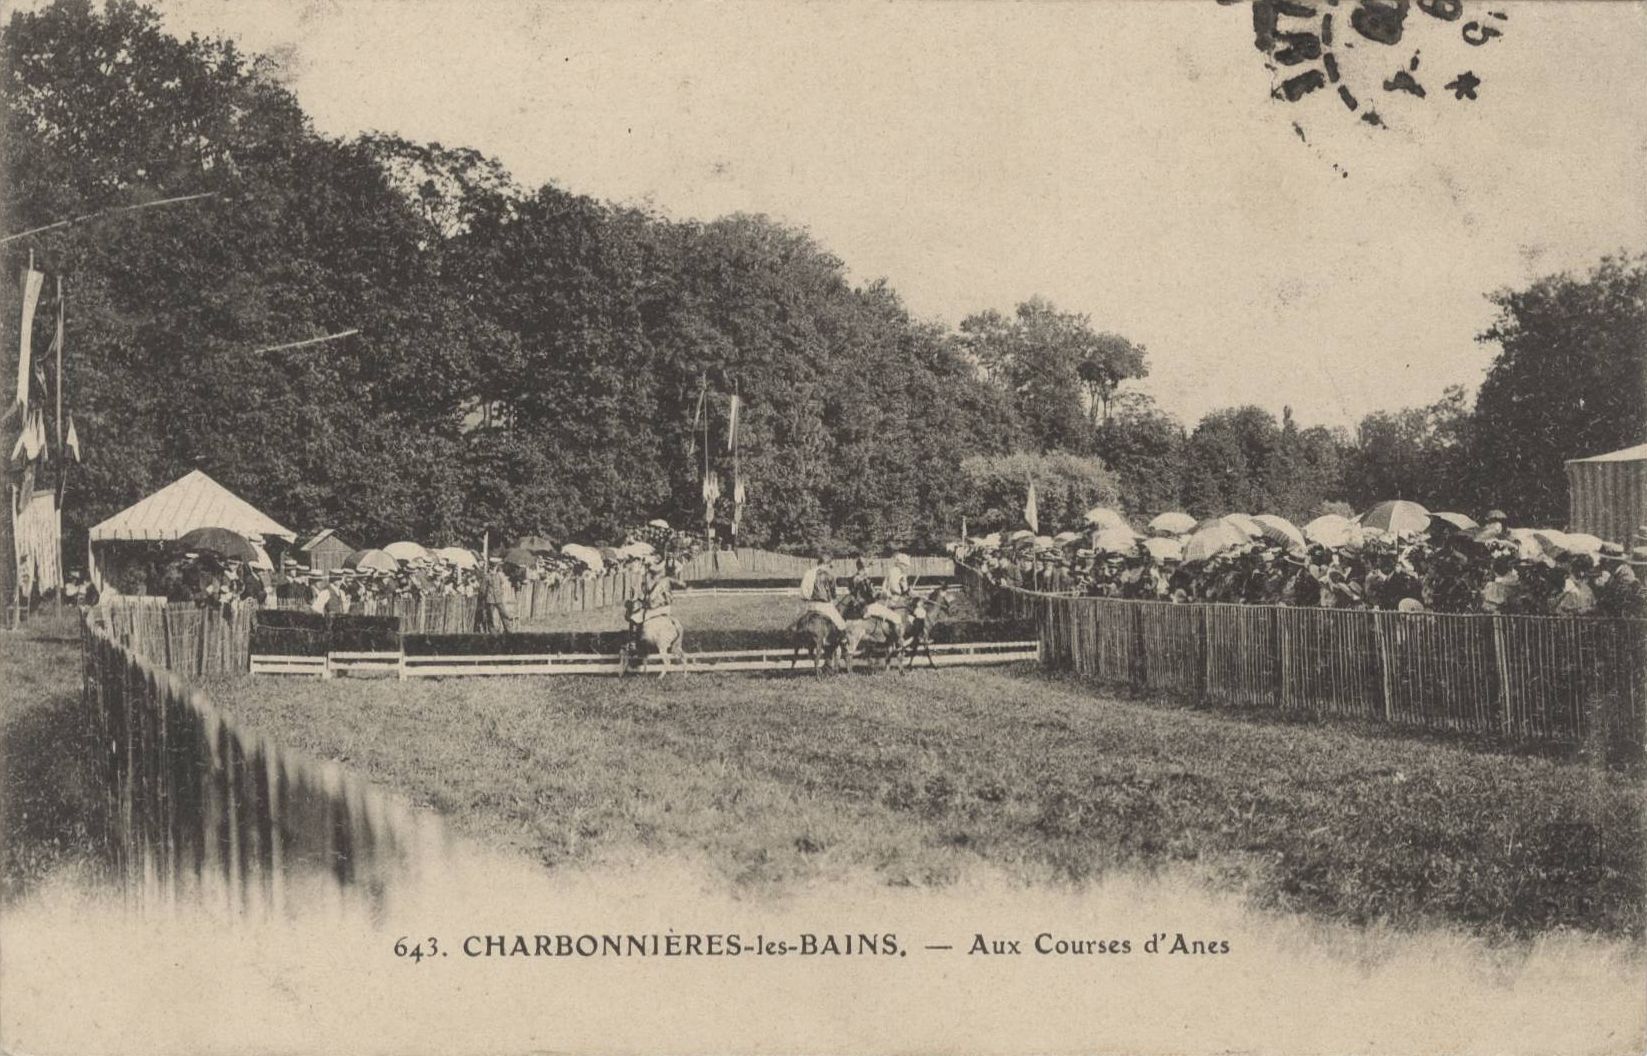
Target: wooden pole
(62, 576)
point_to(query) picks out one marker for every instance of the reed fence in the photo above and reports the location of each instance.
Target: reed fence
(197, 807)
(188, 640)
(1519, 678)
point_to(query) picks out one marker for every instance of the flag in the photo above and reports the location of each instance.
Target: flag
(71, 443)
(732, 425)
(31, 296)
(711, 495)
(738, 497)
(1031, 514)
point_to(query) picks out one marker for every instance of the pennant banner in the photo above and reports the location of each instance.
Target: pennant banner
(1031, 513)
(732, 425)
(31, 297)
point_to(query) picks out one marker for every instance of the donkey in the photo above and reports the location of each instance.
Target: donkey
(660, 635)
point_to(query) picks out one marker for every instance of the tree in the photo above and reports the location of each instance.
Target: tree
(1570, 380)
(1419, 453)
(1066, 486)
(1060, 372)
(1145, 448)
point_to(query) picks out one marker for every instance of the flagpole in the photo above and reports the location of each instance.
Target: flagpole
(62, 456)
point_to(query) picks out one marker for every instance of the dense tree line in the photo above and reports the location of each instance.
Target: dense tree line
(533, 360)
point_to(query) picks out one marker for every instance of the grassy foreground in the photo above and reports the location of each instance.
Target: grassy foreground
(917, 778)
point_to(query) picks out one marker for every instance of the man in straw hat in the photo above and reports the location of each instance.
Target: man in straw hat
(1620, 593)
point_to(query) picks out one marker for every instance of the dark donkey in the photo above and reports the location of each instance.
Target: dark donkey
(817, 635)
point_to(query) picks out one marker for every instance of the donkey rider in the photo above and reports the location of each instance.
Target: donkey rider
(895, 594)
(819, 593)
(657, 591)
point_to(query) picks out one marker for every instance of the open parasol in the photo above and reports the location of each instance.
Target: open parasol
(406, 550)
(1164, 549)
(1397, 517)
(371, 561)
(1332, 530)
(1065, 538)
(1281, 530)
(457, 556)
(1457, 520)
(1104, 517)
(587, 554)
(1114, 540)
(1172, 523)
(229, 545)
(1247, 525)
(538, 544)
(520, 556)
(1213, 539)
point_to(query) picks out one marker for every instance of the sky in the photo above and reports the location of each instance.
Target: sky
(1124, 158)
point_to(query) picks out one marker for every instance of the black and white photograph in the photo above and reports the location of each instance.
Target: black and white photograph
(786, 526)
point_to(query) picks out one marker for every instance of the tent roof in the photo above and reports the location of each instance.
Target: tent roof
(1637, 453)
(194, 501)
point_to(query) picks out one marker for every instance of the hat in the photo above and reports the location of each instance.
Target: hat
(901, 560)
(1410, 605)
(1495, 515)
(1638, 555)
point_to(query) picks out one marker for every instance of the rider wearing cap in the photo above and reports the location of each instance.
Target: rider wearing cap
(818, 588)
(657, 592)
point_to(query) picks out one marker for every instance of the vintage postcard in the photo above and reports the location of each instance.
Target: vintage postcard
(823, 527)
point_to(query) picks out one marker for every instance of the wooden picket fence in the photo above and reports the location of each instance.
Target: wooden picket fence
(1519, 678)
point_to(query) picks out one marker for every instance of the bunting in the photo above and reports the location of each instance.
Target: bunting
(732, 424)
(32, 281)
(711, 495)
(738, 497)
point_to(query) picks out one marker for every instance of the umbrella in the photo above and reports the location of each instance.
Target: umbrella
(231, 546)
(538, 544)
(1043, 542)
(587, 554)
(1281, 530)
(262, 559)
(638, 548)
(1398, 517)
(1114, 540)
(1583, 543)
(1020, 535)
(1065, 538)
(1104, 517)
(1332, 530)
(519, 556)
(1173, 523)
(1163, 549)
(1247, 525)
(457, 556)
(1213, 539)
(406, 551)
(371, 561)
(1457, 520)
(657, 522)
(992, 539)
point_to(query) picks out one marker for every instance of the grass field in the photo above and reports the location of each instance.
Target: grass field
(918, 779)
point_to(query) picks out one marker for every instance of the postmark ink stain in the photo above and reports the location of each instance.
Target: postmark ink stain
(1404, 82)
(1464, 85)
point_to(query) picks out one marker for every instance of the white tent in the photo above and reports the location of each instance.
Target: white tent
(193, 501)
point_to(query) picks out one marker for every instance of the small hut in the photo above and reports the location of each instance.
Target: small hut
(325, 551)
(1607, 494)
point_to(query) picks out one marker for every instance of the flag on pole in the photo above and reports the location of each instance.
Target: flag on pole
(732, 425)
(71, 443)
(1031, 513)
(711, 495)
(31, 296)
(738, 497)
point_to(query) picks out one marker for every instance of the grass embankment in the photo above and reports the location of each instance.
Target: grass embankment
(918, 778)
(49, 797)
